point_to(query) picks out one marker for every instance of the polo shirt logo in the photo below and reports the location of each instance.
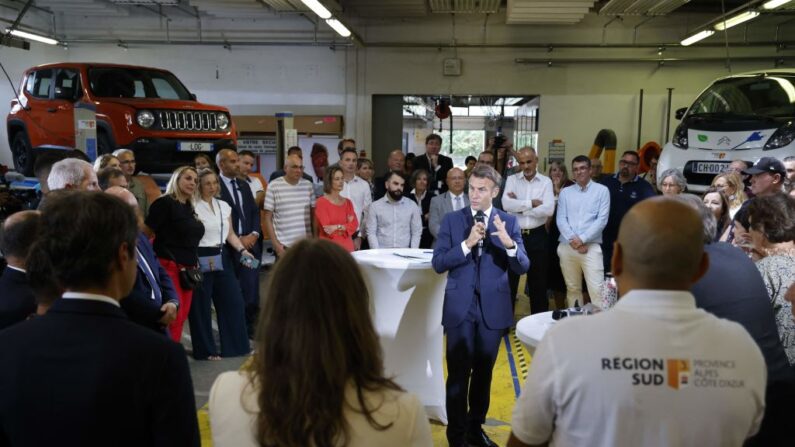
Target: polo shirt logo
(676, 373)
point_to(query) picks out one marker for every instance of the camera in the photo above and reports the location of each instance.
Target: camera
(570, 312)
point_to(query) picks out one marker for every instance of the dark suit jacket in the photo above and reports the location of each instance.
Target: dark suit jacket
(462, 270)
(85, 375)
(445, 163)
(251, 219)
(16, 298)
(733, 289)
(139, 305)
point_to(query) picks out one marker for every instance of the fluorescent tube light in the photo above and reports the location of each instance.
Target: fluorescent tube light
(736, 20)
(32, 36)
(339, 27)
(773, 4)
(696, 37)
(317, 8)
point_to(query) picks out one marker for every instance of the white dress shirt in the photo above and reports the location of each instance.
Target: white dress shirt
(216, 228)
(357, 190)
(234, 191)
(511, 252)
(457, 201)
(538, 188)
(90, 297)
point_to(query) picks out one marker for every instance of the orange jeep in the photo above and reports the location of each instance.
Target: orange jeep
(147, 110)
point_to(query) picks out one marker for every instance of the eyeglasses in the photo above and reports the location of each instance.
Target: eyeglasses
(627, 162)
(128, 162)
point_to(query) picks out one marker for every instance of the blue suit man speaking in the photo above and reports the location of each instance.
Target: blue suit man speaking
(476, 246)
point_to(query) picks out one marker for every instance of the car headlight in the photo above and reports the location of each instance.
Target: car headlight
(680, 137)
(223, 121)
(145, 119)
(782, 137)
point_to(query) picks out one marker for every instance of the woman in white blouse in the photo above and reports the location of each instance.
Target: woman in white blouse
(220, 284)
(317, 374)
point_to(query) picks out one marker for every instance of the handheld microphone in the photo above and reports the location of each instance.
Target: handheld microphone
(480, 218)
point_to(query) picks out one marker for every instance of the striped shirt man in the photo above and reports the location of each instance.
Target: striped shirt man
(291, 206)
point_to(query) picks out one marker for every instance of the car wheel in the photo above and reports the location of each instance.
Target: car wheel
(22, 153)
(104, 145)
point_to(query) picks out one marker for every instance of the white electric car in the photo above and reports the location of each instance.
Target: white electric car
(746, 116)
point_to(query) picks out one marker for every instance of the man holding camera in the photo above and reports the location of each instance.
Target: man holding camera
(435, 163)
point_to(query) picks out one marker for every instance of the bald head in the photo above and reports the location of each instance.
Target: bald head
(125, 195)
(396, 160)
(18, 234)
(660, 246)
(228, 163)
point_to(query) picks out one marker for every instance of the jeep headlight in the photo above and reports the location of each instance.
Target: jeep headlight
(223, 121)
(782, 137)
(145, 119)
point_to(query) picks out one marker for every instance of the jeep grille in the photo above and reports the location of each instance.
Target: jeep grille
(187, 120)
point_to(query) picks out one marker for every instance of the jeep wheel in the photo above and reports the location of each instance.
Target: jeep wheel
(104, 145)
(22, 154)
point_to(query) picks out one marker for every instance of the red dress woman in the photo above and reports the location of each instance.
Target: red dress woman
(335, 216)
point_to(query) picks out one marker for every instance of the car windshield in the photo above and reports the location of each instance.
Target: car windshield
(747, 97)
(121, 82)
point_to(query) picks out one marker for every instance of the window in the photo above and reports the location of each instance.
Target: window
(121, 82)
(465, 143)
(39, 82)
(67, 84)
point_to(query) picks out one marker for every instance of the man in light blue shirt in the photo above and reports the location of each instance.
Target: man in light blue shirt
(583, 209)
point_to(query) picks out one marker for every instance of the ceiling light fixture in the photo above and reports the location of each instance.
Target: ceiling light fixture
(31, 36)
(696, 37)
(337, 26)
(736, 20)
(773, 4)
(317, 8)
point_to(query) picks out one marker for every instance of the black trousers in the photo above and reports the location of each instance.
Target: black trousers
(536, 244)
(249, 285)
(471, 352)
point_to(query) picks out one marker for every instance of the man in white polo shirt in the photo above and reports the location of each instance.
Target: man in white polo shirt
(289, 206)
(654, 370)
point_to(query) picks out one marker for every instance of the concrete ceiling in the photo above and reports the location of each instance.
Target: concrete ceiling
(239, 20)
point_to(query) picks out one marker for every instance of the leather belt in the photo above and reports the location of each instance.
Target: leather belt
(533, 230)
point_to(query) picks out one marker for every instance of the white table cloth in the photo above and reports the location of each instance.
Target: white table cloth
(531, 329)
(406, 298)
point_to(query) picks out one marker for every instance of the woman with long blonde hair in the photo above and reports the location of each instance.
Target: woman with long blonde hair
(177, 229)
(731, 185)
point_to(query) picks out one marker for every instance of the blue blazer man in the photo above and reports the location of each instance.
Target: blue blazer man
(247, 217)
(143, 303)
(477, 301)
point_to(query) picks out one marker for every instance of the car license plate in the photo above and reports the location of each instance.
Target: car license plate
(194, 146)
(709, 167)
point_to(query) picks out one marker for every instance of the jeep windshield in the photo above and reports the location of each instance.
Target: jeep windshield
(747, 98)
(122, 82)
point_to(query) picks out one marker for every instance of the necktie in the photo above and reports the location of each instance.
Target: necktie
(157, 294)
(237, 200)
(457, 203)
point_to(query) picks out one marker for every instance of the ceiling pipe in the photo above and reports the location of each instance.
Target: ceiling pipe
(659, 61)
(549, 46)
(219, 43)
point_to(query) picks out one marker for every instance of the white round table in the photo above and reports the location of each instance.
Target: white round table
(406, 297)
(531, 329)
